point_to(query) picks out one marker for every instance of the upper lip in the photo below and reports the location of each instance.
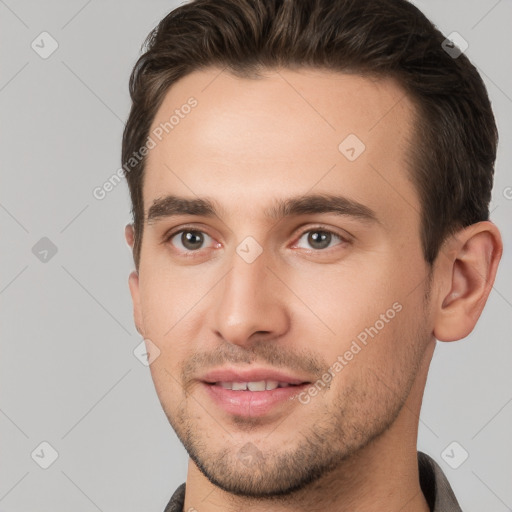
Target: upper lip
(250, 375)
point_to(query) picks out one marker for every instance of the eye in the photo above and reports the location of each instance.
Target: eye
(189, 240)
(319, 238)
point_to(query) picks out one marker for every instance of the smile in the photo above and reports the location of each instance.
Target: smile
(260, 385)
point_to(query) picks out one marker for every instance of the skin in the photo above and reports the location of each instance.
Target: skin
(297, 307)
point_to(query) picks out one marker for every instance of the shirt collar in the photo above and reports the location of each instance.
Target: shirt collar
(435, 486)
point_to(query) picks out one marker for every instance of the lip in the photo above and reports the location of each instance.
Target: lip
(252, 404)
(251, 375)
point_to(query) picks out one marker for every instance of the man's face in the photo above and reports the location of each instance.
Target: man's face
(292, 294)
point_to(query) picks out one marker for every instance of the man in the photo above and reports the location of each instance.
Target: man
(310, 185)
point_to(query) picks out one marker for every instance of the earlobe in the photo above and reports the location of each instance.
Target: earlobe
(133, 283)
(470, 271)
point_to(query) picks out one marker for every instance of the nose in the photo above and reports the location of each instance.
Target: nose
(251, 303)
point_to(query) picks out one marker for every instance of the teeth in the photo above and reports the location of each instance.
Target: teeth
(271, 384)
(261, 385)
(256, 386)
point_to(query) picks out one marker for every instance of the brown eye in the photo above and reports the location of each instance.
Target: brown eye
(189, 240)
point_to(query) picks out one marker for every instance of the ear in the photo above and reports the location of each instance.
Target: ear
(133, 283)
(129, 234)
(467, 273)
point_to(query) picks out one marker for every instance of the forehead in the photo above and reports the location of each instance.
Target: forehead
(286, 133)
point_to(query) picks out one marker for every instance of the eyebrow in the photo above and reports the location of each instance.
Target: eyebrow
(172, 205)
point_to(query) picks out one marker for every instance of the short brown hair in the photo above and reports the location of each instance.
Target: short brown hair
(453, 149)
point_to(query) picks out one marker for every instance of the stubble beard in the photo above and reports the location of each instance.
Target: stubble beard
(360, 413)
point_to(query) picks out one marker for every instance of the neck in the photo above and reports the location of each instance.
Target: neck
(381, 477)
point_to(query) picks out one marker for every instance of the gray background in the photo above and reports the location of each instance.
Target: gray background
(68, 373)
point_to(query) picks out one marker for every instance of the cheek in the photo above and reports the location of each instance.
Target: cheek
(166, 371)
(167, 319)
(168, 298)
(362, 319)
(376, 369)
(344, 300)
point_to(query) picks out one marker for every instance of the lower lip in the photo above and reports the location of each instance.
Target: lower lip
(251, 403)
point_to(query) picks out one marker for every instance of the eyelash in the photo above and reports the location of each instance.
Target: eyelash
(188, 253)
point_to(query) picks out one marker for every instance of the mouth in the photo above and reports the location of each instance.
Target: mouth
(254, 399)
(253, 391)
(257, 386)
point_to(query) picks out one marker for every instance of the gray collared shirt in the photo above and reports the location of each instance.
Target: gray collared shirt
(434, 484)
